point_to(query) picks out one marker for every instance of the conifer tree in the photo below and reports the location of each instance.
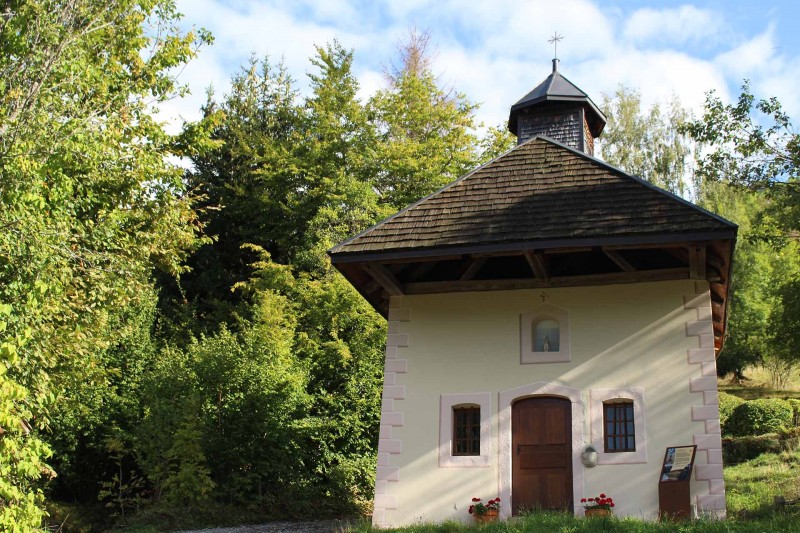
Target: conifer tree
(426, 132)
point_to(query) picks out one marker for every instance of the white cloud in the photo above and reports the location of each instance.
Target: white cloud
(750, 57)
(658, 75)
(681, 25)
(494, 52)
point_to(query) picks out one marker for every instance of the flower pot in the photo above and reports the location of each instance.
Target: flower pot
(490, 516)
(597, 512)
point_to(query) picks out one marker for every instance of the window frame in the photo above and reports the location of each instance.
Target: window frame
(469, 426)
(597, 401)
(447, 459)
(619, 406)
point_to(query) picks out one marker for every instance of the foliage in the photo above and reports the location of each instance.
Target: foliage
(478, 508)
(497, 141)
(727, 404)
(757, 286)
(650, 143)
(737, 450)
(90, 204)
(752, 146)
(425, 131)
(599, 502)
(740, 449)
(743, 150)
(795, 403)
(756, 417)
(249, 179)
(188, 482)
(242, 392)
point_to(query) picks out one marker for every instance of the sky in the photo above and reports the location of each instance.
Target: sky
(496, 51)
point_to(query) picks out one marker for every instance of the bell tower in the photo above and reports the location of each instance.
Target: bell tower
(558, 109)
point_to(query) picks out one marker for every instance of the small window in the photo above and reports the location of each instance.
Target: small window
(618, 425)
(466, 430)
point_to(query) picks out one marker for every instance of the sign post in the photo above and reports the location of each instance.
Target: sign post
(674, 482)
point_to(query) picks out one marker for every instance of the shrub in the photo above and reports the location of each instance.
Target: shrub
(795, 403)
(757, 417)
(727, 403)
(741, 449)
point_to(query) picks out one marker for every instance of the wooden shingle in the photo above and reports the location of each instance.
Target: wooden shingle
(541, 191)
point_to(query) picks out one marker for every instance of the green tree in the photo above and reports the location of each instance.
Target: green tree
(648, 143)
(752, 293)
(89, 202)
(338, 154)
(753, 144)
(249, 180)
(752, 154)
(496, 141)
(426, 132)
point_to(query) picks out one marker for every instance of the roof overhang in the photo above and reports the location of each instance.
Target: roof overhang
(574, 262)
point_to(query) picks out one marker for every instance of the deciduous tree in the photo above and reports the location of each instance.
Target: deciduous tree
(648, 143)
(89, 201)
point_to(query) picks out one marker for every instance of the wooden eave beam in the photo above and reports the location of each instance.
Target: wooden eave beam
(435, 287)
(538, 264)
(385, 278)
(620, 261)
(697, 261)
(473, 268)
(421, 269)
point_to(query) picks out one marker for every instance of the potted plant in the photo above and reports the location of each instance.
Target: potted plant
(600, 506)
(485, 512)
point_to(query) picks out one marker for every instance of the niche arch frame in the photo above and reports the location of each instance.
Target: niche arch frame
(527, 325)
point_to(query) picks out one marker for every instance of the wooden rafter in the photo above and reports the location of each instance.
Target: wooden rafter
(538, 264)
(620, 261)
(421, 269)
(385, 278)
(473, 268)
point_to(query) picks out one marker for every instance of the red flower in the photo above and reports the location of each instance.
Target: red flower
(583, 500)
(476, 499)
(611, 504)
(602, 495)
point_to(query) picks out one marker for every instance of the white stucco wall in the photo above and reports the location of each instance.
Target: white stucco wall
(651, 337)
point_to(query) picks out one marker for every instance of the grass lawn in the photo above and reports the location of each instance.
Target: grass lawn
(752, 486)
(562, 523)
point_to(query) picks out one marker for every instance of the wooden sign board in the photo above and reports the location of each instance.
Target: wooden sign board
(678, 463)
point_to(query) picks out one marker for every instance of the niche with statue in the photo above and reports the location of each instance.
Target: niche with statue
(544, 335)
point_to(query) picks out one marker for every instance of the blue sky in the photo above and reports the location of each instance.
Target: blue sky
(496, 51)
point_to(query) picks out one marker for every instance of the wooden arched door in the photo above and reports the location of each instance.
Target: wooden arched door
(541, 463)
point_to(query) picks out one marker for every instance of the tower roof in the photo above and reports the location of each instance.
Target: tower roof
(556, 90)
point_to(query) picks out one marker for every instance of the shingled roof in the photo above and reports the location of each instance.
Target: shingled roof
(541, 215)
(539, 194)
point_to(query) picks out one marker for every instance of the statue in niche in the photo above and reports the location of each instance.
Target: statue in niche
(546, 345)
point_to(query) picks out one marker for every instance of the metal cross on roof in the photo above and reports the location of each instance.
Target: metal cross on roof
(554, 41)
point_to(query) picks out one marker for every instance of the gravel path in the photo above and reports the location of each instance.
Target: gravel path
(321, 526)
